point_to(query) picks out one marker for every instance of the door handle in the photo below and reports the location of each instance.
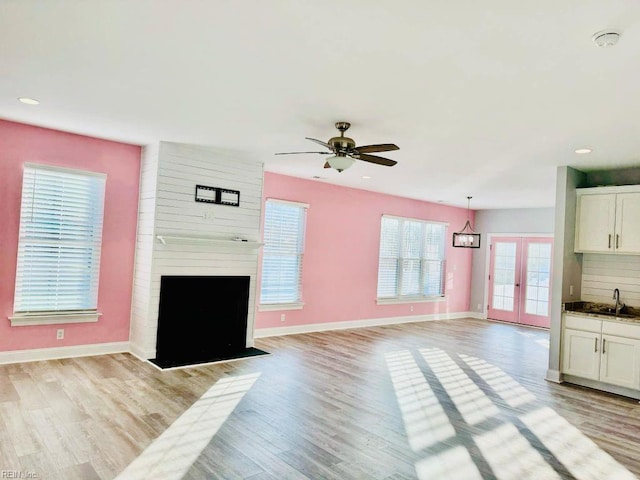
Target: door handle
(596, 347)
(604, 342)
(517, 284)
(609, 240)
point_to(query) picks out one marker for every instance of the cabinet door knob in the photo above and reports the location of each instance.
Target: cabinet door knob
(596, 346)
(609, 240)
(604, 342)
(617, 240)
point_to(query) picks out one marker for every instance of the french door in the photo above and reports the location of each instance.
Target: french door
(520, 280)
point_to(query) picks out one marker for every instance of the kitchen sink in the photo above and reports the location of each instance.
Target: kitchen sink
(605, 309)
(612, 313)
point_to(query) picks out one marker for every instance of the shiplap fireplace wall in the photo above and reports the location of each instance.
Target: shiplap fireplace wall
(178, 236)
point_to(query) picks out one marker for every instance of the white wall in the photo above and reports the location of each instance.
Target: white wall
(520, 221)
(144, 249)
(178, 168)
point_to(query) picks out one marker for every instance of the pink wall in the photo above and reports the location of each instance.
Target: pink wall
(340, 266)
(21, 143)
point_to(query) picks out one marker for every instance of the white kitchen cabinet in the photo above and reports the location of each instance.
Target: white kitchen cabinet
(601, 350)
(607, 220)
(620, 361)
(581, 354)
(627, 228)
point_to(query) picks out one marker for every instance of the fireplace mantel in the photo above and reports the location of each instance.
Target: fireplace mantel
(200, 240)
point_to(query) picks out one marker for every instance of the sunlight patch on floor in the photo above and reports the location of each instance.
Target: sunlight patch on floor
(514, 394)
(506, 449)
(170, 456)
(510, 455)
(582, 457)
(471, 402)
(426, 422)
(454, 464)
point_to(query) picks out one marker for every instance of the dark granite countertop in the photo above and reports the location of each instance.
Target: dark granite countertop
(604, 311)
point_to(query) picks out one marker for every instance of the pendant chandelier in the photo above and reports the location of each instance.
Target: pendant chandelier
(466, 238)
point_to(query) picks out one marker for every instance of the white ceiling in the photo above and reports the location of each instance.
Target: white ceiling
(483, 98)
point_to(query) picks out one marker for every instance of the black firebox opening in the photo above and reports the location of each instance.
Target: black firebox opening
(201, 319)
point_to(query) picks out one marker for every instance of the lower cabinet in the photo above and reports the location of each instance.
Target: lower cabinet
(620, 361)
(600, 356)
(581, 354)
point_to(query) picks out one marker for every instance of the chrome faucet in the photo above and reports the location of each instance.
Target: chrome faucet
(616, 297)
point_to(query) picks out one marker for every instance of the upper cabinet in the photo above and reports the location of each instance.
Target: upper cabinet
(608, 220)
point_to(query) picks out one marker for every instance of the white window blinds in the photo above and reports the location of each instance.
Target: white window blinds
(60, 240)
(284, 225)
(412, 261)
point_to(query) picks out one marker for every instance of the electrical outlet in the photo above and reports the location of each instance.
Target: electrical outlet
(570, 289)
(479, 307)
(282, 317)
(412, 308)
(60, 334)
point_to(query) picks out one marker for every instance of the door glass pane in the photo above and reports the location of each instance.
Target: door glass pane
(504, 272)
(538, 270)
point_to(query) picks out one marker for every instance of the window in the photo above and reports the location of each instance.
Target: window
(411, 263)
(60, 240)
(284, 224)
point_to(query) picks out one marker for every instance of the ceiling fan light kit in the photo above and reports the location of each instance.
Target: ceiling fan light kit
(340, 162)
(345, 152)
(466, 238)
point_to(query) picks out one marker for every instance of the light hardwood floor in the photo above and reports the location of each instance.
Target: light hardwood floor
(351, 404)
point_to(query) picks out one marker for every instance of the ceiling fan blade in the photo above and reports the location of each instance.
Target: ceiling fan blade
(295, 153)
(376, 159)
(326, 165)
(320, 142)
(384, 147)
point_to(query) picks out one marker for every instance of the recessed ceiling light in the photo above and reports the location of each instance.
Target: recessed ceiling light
(29, 101)
(366, 177)
(582, 151)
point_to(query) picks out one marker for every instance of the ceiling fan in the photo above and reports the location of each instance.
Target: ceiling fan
(345, 152)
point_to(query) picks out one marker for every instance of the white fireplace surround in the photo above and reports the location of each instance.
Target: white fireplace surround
(178, 236)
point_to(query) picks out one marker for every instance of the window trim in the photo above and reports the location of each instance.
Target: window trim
(53, 317)
(298, 304)
(409, 299)
(270, 307)
(399, 299)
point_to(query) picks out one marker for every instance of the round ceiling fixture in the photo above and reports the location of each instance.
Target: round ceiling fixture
(583, 151)
(606, 38)
(29, 101)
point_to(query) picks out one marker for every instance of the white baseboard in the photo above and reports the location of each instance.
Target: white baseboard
(477, 315)
(554, 376)
(374, 322)
(139, 352)
(585, 382)
(55, 353)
